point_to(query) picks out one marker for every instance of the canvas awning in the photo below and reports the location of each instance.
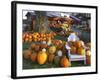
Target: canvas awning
(53, 14)
(75, 19)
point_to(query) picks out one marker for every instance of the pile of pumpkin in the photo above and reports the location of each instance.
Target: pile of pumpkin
(77, 47)
(43, 53)
(80, 48)
(29, 37)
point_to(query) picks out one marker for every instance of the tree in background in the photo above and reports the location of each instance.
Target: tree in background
(41, 22)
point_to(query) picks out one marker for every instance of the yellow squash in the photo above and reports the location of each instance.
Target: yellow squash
(42, 57)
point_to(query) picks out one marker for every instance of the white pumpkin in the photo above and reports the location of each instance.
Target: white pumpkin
(59, 53)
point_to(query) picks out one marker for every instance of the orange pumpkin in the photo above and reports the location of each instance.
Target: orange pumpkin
(88, 57)
(64, 62)
(81, 51)
(27, 35)
(88, 60)
(33, 57)
(42, 57)
(26, 39)
(27, 54)
(78, 44)
(30, 37)
(73, 50)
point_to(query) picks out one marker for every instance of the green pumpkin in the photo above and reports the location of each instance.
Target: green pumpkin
(52, 49)
(57, 60)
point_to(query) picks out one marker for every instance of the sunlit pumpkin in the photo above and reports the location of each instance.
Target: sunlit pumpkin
(78, 44)
(30, 37)
(81, 51)
(64, 62)
(52, 49)
(30, 40)
(42, 57)
(26, 39)
(73, 50)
